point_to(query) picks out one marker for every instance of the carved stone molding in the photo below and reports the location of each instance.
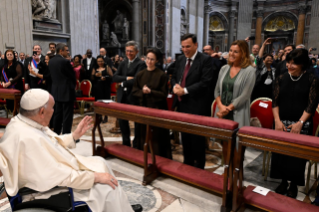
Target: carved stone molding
(260, 13)
(302, 9)
(232, 13)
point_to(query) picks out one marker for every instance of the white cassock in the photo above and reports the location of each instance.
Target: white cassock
(33, 156)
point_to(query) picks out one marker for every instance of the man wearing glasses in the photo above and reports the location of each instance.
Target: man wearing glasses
(124, 76)
(63, 89)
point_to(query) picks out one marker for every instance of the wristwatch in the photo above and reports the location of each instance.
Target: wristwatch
(301, 121)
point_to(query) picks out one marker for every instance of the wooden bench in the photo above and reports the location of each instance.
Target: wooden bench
(199, 125)
(11, 94)
(302, 146)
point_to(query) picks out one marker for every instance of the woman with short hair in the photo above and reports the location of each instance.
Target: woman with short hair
(295, 99)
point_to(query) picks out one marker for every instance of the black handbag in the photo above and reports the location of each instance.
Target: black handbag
(305, 127)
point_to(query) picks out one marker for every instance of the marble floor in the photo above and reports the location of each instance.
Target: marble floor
(166, 194)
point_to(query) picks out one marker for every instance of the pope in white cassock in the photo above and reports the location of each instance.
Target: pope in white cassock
(33, 156)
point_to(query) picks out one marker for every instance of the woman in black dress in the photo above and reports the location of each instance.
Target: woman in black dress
(11, 75)
(101, 79)
(295, 99)
(150, 87)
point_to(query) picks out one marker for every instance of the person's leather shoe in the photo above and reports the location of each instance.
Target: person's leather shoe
(137, 208)
(315, 203)
(282, 188)
(292, 191)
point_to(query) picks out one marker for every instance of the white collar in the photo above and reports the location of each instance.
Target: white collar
(30, 122)
(131, 61)
(193, 57)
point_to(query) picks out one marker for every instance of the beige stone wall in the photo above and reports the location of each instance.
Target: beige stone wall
(16, 25)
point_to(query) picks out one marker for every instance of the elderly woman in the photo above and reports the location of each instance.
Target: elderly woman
(150, 87)
(235, 84)
(295, 98)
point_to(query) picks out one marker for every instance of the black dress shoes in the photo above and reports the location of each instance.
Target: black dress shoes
(137, 208)
(292, 191)
(282, 188)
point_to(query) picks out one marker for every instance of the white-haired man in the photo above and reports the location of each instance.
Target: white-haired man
(37, 158)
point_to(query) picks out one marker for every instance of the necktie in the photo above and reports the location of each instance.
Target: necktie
(187, 67)
(129, 64)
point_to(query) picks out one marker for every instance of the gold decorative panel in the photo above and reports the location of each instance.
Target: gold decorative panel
(280, 23)
(216, 24)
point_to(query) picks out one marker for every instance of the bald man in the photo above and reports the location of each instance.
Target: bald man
(107, 60)
(37, 158)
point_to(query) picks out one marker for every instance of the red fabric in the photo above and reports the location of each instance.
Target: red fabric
(5, 90)
(264, 115)
(315, 119)
(188, 173)
(214, 108)
(86, 87)
(88, 99)
(177, 116)
(113, 87)
(169, 101)
(4, 121)
(2, 101)
(276, 202)
(282, 136)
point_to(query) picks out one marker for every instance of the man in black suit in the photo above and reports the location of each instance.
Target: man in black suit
(89, 63)
(191, 83)
(217, 63)
(125, 75)
(28, 61)
(107, 60)
(63, 89)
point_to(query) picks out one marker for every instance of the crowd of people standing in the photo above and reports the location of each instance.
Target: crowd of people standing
(235, 79)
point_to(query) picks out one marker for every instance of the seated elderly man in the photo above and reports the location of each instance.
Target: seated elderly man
(35, 157)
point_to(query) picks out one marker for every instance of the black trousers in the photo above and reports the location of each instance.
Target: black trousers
(194, 150)
(126, 133)
(63, 117)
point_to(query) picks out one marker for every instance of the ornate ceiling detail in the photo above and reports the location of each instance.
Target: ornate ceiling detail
(280, 23)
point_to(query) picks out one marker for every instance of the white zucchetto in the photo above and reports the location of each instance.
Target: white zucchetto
(34, 98)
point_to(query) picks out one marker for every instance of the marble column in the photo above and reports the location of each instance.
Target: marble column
(259, 23)
(206, 23)
(245, 13)
(301, 24)
(313, 40)
(231, 27)
(136, 21)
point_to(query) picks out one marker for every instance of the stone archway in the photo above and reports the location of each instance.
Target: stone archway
(281, 25)
(218, 27)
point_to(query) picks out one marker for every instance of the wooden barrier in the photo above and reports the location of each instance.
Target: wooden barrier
(296, 145)
(194, 124)
(11, 94)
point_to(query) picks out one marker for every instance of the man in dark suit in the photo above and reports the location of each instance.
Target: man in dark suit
(63, 89)
(107, 60)
(27, 78)
(89, 63)
(125, 75)
(191, 83)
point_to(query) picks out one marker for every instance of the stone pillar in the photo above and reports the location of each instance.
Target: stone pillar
(301, 24)
(231, 27)
(245, 13)
(313, 40)
(259, 23)
(136, 21)
(206, 23)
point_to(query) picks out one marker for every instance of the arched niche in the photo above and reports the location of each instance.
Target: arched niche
(280, 21)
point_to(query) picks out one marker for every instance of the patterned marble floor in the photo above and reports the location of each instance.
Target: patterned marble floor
(166, 194)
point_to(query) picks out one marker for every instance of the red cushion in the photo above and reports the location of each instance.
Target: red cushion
(2, 101)
(264, 115)
(5, 90)
(176, 169)
(276, 202)
(4, 121)
(89, 99)
(169, 101)
(183, 117)
(113, 87)
(282, 136)
(86, 87)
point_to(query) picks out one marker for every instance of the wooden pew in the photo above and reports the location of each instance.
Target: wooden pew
(11, 94)
(302, 146)
(199, 125)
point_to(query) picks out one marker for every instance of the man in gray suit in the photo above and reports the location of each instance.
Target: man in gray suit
(125, 75)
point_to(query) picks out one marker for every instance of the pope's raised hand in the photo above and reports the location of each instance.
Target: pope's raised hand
(82, 127)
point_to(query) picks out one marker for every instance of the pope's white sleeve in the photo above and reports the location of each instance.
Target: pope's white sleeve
(79, 180)
(66, 140)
